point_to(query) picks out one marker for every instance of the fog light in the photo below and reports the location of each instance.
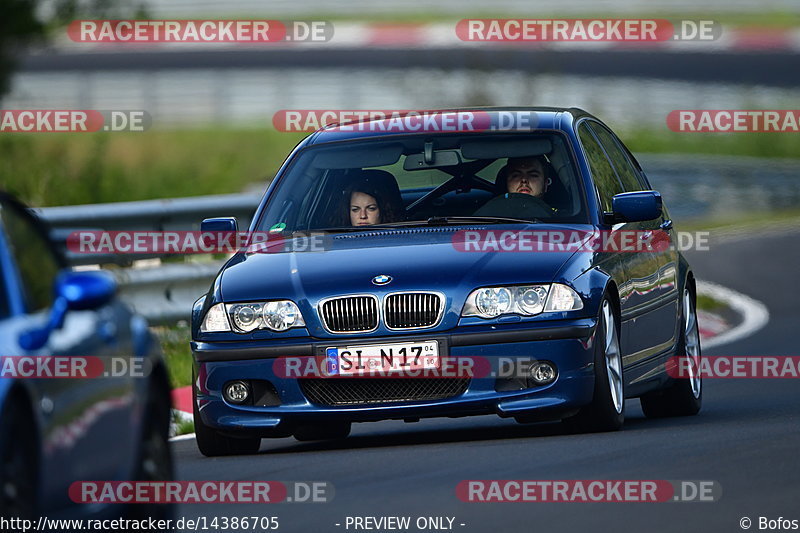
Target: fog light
(237, 392)
(543, 372)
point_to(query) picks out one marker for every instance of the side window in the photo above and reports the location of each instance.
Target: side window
(35, 261)
(625, 170)
(605, 179)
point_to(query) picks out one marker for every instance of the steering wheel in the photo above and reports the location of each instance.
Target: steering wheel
(460, 181)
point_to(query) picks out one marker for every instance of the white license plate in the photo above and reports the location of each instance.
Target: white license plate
(382, 358)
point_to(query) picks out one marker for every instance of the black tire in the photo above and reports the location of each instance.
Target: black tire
(680, 398)
(212, 444)
(329, 431)
(155, 455)
(605, 413)
(19, 472)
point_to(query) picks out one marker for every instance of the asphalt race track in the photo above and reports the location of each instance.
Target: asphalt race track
(746, 438)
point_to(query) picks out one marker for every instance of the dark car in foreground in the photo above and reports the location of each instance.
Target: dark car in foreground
(84, 394)
(427, 263)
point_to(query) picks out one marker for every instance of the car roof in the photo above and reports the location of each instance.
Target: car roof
(548, 118)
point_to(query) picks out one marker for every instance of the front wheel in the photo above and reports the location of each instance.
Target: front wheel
(685, 396)
(607, 410)
(18, 462)
(154, 462)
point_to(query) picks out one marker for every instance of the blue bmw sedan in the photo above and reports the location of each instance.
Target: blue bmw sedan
(509, 261)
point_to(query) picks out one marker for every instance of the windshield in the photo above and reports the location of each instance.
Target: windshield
(428, 179)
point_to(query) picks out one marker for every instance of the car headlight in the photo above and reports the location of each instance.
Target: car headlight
(278, 315)
(215, 320)
(492, 302)
(281, 315)
(563, 298)
(246, 317)
(527, 300)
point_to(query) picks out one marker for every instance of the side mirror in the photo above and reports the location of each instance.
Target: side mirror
(85, 290)
(220, 225)
(636, 206)
(77, 291)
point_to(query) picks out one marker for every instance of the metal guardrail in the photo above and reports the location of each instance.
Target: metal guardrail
(177, 214)
(164, 295)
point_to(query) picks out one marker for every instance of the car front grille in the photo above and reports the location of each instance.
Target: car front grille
(350, 314)
(409, 310)
(364, 391)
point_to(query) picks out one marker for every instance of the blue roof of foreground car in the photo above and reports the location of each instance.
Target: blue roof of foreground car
(546, 118)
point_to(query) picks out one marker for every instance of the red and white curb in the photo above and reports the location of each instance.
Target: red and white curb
(754, 315)
(714, 331)
(427, 36)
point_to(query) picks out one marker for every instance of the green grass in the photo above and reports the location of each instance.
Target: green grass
(709, 304)
(781, 145)
(748, 221)
(182, 425)
(68, 169)
(174, 342)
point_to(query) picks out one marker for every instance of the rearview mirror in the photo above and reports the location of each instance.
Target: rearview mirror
(440, 158)
(636, 206)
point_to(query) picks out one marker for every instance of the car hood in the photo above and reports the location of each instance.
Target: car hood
(414, 258)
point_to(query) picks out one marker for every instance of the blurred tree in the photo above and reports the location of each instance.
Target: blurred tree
(26, 21)
(18, 26)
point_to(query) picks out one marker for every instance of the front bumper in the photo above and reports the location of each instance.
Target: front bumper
(568, 344)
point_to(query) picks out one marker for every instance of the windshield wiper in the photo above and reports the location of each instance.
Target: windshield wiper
(435, 221)
(454, 220)
(443, 221)
(344, 229)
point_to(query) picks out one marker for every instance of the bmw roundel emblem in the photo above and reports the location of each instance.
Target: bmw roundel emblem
(382, 279)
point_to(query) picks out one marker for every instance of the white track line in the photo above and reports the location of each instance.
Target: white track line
(754, 313)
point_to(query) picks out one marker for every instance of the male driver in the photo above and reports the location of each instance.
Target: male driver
(521, 185)
(524, 175)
